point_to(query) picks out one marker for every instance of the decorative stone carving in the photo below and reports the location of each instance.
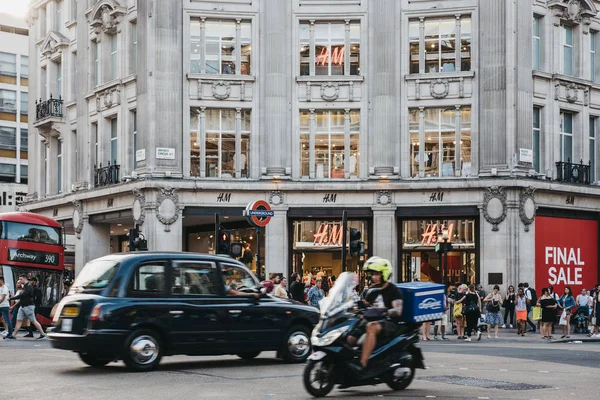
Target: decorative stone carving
(105, 16)
(494, 206)
(276, 197)
(167, 207)
(221, 90)
(439, 88)
(573, 11)
(78, 217)
(351, 91)
(330, 91)
(527, 207)
(571, 93)
(55, 41)
(31, 16)
(200, 93)
(108, 98)
(308, 91)
(137, 209)
(384, 197)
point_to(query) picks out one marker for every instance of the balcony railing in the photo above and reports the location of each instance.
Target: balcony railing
(108, 175)
(49, 108)
(573, 173)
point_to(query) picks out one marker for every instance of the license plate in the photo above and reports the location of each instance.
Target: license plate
(70, 312)
(66, 325)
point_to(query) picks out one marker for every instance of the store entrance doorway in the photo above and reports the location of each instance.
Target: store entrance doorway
(426, 266)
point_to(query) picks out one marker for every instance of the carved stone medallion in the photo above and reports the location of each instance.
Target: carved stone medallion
(276, 197)
(138, 207)
(494, 206)
(527, 207)
(384, 197)
(167, 207)
(78, 217)
(439, 88)
(330, 91)
(221, 90)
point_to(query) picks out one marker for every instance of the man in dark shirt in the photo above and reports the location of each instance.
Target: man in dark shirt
(37, 301)
(27, 309)
(384, 296)
(297, 287)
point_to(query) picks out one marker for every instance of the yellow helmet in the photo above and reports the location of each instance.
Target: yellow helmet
(378, 264)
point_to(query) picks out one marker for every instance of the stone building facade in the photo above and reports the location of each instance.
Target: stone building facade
(473, 120)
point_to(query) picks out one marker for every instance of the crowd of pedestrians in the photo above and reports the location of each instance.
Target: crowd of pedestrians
(25, 302)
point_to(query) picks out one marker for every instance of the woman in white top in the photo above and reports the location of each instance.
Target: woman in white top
(583, 300)
(280, 290)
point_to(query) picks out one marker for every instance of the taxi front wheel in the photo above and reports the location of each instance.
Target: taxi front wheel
(142, 350)
(94, 361)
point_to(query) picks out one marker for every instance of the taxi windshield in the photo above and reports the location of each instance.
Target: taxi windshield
(96, 274)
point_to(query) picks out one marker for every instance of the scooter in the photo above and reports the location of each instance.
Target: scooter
(393, 361)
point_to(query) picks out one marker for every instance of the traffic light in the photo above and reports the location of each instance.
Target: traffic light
(224, 242)
(236, 249)
(135, 242)
(357, 246)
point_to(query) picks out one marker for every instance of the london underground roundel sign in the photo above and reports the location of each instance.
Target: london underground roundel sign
(259, 213)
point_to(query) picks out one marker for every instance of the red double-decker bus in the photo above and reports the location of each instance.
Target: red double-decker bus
(32, 244)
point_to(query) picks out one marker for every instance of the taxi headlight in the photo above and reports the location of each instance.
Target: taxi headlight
(329, 337)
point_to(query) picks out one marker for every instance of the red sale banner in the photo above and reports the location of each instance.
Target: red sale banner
(566, 254)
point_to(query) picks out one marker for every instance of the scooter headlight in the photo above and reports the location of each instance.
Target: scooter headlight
(329, 337)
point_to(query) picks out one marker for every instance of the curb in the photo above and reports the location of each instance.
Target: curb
(572, 340)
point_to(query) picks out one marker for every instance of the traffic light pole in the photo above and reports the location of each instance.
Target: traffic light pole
(258, 268)
(217, 229)
(344, 238)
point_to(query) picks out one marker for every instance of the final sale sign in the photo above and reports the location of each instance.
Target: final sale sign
(566, 254)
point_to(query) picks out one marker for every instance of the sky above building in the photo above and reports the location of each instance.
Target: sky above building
(14, 7)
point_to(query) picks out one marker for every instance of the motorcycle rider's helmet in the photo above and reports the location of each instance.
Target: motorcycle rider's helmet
(378, 264)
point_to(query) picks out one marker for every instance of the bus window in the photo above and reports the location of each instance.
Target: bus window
(31, 233)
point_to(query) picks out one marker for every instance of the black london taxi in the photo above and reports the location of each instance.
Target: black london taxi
(138, 307)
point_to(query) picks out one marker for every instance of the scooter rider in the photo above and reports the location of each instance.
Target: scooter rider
(382, 299)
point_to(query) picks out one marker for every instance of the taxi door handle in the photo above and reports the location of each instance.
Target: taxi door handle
(235, 312)
(176, 312)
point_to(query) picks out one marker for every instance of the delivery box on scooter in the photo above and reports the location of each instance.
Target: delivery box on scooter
(423, 301)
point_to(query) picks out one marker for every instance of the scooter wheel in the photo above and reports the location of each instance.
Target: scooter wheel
(400, 379)
(318, 378)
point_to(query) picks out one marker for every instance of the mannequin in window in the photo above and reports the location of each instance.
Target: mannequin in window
(338, 166)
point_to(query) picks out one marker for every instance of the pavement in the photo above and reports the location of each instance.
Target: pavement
(510, 367)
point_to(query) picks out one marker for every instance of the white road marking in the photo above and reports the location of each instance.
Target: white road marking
(463, 369)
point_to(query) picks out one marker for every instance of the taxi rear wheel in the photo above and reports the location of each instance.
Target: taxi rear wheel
(296, 347)
(94, 361)
(248, 355)
(142, 350)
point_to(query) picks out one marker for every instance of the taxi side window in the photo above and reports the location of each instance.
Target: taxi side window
(194, 278)
(148, 279)
(237, 278)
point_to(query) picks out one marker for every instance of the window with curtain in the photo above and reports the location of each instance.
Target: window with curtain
(8, 138)
(59, 166)
(566, 136)
(593, 36)
(444, 49)
(537, 42)
(113, 56)
(567, 49)
(335, 153)
(24, 103)
(226, 48)
(114, 142)
(133, 62)
(8, 172)
(8, 64)
(24, 139)
(8, 101)
(444, 150)
(24, 67)
(537, 134)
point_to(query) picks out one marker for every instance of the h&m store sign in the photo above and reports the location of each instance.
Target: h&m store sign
(566, 253)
